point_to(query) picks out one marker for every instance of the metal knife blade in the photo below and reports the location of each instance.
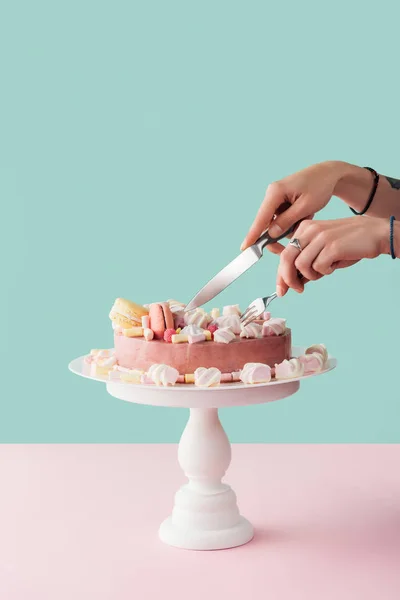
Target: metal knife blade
(232, 271)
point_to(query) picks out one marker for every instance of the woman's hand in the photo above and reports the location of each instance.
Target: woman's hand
(330, 245)
(305, 192)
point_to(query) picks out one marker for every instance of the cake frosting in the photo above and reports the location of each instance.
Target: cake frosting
(160, 344)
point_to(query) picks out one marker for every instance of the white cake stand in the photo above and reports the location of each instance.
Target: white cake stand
(205, 514)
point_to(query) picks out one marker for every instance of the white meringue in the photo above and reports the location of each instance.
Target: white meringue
(163, 374)
(288, 369)
(313, 362)
(233, 309)
(197, 317)
(320, 349)
(274, 326)
(252, 330)
(231, 321)
(207, 377)
(224, 335)
(255, 373)
(192, 329)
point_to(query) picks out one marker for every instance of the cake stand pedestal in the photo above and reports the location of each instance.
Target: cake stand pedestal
(205, 515)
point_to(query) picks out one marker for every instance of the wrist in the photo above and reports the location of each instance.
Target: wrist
(385, 237)
(353, 185)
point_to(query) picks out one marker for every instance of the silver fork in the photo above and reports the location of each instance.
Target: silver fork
(256, 309)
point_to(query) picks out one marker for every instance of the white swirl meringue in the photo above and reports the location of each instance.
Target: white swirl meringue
(233, 309)
(192, 329)
(163, 374)
(313, 362)
(224, 335)
(288, 369)
(197, 317)
(274, 326)
(252, 330)
(231, 321)
(207, 377)
(320, 349)
(255, 373)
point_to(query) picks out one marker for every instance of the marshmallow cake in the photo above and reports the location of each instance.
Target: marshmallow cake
(161, 344)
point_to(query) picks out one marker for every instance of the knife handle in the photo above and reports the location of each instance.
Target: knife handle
(266, 239)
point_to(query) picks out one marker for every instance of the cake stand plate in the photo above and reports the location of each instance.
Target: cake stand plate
(205, 514)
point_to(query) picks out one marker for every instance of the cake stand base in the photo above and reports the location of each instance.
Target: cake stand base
(205, 514)
(194, 539)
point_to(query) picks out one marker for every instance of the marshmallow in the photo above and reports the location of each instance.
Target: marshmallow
(208, 335)
(148, 334)
(146, 322)
(197, 317)
(313, 363)
(163, 374)
(196, 338)
(274, 327)
(207, 377)
(321, 349)
(181, 379)
(189, 378)
(226, 377)
(236, 375)
(224, 335)
(255, 373)
(133, 332)
(266, 316)
(289, 368)
(231, 321)
(179, 338)
(252, 330)
(231, 310)
(214, 313)
(192, 330)
(132, 376)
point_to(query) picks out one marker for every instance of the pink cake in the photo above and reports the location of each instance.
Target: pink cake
(162, 344)
(136, 353)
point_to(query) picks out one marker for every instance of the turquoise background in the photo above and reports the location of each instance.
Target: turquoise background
(136, 141)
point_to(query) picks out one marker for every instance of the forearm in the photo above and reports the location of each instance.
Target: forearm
(354, 187)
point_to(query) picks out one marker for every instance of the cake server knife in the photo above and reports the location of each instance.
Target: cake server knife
(235, 269)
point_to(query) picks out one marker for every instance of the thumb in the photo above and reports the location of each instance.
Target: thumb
(287, 219)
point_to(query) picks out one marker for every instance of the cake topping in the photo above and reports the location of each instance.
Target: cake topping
(231, 310)
(127, 314)
(146, 322)
(274, 327)
(313, 363)
(148, 334)
(289, 368)
(197, 317)
(160, 319)
(179, 338)
(168, 333)
(255, 373)
(214, 313)
(163, 374)
(196, 338)
(266, 316)
(320, 349)
(224, 335)
(252, 330)
(207, 377)
(231, 321)
(192, 330)
(133, 332)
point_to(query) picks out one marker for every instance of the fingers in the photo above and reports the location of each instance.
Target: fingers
(304, 261)
(287, 219)
(274, 197)
(276, 248)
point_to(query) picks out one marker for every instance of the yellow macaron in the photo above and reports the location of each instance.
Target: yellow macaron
(127, 314)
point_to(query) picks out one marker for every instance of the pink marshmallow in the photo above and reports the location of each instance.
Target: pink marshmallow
(226, 377)
(266, 316)
(181, 379)
(146, 380)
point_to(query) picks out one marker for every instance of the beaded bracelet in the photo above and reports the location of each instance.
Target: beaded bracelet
(372, 194)
(391, 237)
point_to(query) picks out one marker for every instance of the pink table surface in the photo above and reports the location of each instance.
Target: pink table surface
(80, 522)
